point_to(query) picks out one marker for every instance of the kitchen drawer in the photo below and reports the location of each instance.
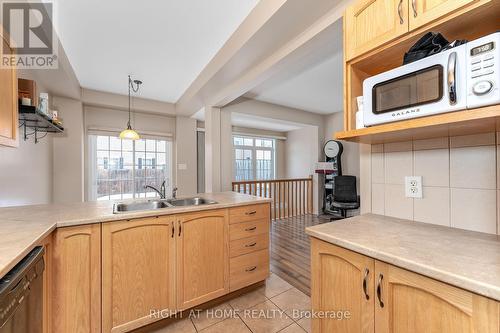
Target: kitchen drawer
(248, 245)
(248, 229)
(248, 269)
(249, 213)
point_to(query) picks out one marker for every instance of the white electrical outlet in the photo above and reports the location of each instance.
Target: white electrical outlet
(413, 186)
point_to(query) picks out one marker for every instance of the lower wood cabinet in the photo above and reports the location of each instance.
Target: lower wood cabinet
(342, 280)
(137, 271)
(113, 277)
(202, 257)
(76, 275)
(384, 298)
(410, 302)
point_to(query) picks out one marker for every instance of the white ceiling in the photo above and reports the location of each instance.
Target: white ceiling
(310, 86)
(165, 44)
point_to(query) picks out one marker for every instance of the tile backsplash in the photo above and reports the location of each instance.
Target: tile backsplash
(460, 178)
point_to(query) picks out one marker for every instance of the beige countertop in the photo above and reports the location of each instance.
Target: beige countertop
(469, 260)
(23, 227)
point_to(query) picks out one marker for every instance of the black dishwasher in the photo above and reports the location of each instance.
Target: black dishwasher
(21, 295)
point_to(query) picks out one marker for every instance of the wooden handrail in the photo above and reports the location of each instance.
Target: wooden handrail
(290, 197)
(270, 180)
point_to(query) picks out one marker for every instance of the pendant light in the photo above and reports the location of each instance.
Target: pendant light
(129, 133)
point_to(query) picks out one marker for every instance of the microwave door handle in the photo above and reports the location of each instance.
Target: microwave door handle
(452, 83)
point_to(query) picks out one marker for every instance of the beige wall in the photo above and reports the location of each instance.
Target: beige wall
(97, 117)
(460, 181)
(185, 147)
(350, 157)
(301, 155)
(68, 156)
(120, 102)
(26, 173)
(274, 111)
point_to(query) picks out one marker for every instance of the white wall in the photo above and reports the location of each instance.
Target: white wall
(68, 156)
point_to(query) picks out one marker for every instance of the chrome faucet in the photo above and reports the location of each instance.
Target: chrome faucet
(161, 191)
(174, 193)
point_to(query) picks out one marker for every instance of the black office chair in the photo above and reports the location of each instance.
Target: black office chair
(345, 195)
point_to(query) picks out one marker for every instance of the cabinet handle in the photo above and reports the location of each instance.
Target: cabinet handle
(250, 229)
(251, 245)
(173, 229)
(379, 290)
(180, 228)
(400, 12)
(253, 212)
(367, 271)
(251, 269)
(414, 6)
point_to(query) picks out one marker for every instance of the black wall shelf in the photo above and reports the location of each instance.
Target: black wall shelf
(38, 122)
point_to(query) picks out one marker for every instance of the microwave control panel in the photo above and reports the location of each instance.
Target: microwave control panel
(483, 71)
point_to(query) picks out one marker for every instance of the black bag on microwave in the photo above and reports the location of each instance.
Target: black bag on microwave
(429, 44)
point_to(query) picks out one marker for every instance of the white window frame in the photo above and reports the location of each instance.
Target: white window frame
(92, 166)
(254, 149)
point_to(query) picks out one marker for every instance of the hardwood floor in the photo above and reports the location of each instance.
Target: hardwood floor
(290, 250)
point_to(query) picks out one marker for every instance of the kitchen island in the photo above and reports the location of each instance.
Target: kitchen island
(405, 276)
(108, 272)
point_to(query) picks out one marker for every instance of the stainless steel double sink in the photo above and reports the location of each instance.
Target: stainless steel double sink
(159, 204)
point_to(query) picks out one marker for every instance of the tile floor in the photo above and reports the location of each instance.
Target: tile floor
(275, 307)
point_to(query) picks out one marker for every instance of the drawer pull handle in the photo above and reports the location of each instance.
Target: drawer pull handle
(251, 245)
(367, 271)
(379, 290)
(253, 212)
(250, 229)
(251, 269)
(173, 230)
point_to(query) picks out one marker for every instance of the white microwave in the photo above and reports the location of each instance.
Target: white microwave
(464, 77)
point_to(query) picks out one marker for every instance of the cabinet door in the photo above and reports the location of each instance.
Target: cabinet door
(137, 271)
(48, 245)
(77, 279)
(339, 279)
(8, 102)
(414, 303)
(202, 257)
(422, 12)
(370, 23)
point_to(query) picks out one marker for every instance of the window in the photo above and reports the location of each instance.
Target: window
(119, 169)
(253, 158)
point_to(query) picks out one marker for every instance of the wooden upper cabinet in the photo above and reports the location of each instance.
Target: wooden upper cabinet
(339, 281)
(137, 271)
(422, 12)
(202, 257)
(414, 303)
(76, 275)
(8, 101)
(370, 23)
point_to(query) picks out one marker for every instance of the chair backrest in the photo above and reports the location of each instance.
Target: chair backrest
(345, 189)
